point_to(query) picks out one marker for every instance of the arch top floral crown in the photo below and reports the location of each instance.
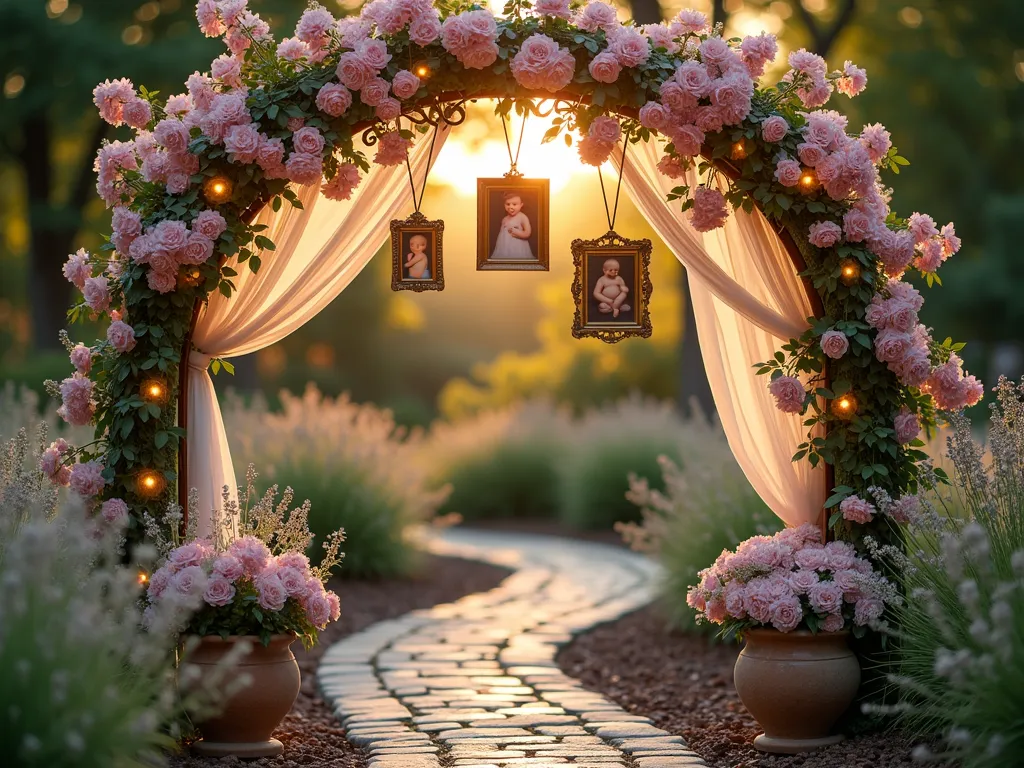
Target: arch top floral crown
(867, 375)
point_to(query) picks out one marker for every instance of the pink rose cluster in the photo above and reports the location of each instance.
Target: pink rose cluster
(858, 510)
(246, 568)
(392, 149)
(471, 37)
(169, 244)
(52, 463)
(933, 245)
(597, 145)
(709, 210)
(392, 16)
(809, 73)
(233, 20)
(950, 388)
(77, 403)
(95, 290)
(542, 64)
(902, 343)
(119, 104)
(788, 580)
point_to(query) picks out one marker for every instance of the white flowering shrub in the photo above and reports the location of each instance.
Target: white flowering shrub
(360, 471)
(960, 635)
(707, 506)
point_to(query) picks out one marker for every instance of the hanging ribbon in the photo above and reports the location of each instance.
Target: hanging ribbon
(610, 215)
(514, 160)
(412, 185)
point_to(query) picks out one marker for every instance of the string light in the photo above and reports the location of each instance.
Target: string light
(143, 577)
(190, 276)
(150, 483)
(808, 181)
(849, 271)
(153, 391)
(739, 150)
(844, 406)
(421, 70)
(217, 189)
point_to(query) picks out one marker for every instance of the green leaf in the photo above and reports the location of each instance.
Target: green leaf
(161, 439)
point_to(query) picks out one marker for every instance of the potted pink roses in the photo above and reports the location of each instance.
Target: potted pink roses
(257, 590)
(794, 601)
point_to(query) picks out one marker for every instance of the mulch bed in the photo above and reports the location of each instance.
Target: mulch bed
(684, 684)
(311, 735)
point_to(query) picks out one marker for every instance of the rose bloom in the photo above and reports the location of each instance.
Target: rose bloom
(170, 235)
(251, 553)
(294, 581)
(671, 166)
(425, 28)
(605, 68)
(392, 149)
(593, 151)
(774, 128)
(87, 478)
(907, 426)
(595, 16)
(630, 47)
(219, 591)
(905, 509)
(856, 225)
(556, 8)
(825, 597)
(689, 22)
(81, 358)
(374, 92)
(242, 142)
(709, 210)
(787, 613)
(172, 135)
(788, 172)
(810, 154)
(834, 344)
(405, 84)
(229, 567)
(77, 268)
(197, 250)
(757, 604)
(856, 509)
(333, 99)
(189, 581)
(96, 293)
(802, 580)
(209, 224)
(824, 234)
(834, 622)
(660, 37)
(308, 140)
(353, 72)
(868, 610)
(121, 336)
(653, 116)
(687, 139)
(605, 129)
(272, 595)
(304, 168)
(693, 78)
(812, 557)
(389, 109)
(343, 184)
(789, 394)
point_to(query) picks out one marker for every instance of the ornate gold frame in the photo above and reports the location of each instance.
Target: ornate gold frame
(483, 216)
(612, 244)
(417, 221)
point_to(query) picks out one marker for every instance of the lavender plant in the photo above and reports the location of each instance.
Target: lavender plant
(960, 666)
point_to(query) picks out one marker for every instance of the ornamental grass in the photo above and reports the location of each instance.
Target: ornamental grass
(960, 636)
(707, 506)
(360, 471)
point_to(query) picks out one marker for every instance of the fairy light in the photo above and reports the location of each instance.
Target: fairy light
(153, 391)
(190, 276)
(150, 483)
(845, 406)
(738, 151)
(849, 271)
(808, 180)
(217, 189)
(143, 578)
(421, 70)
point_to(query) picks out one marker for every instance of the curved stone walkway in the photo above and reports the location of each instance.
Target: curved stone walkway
(475, 684)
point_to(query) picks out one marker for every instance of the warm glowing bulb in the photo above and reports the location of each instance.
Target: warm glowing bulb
(849, 271)
(844, 406)
(150, 483)
(808, 180)
(739, 151)
(143, 578)
(422, 70)
(154, 391)
(217, 189)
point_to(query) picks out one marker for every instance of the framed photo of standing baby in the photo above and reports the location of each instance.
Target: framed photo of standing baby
(512, 224)
(416, 253)
(612, 288)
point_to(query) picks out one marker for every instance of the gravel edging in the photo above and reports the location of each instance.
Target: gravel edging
(684, 684)
(311, 734)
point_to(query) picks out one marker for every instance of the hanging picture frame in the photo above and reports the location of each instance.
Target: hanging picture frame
(513, 224)
(417, 252)
(612, 288)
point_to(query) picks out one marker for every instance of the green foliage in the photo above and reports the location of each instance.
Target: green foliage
(707, 506)
(960, 636)
(359, 471)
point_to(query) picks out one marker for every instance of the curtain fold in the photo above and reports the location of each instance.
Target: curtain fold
(320, 248)
(746, 298)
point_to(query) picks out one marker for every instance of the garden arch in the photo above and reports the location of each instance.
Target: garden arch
(207, 177)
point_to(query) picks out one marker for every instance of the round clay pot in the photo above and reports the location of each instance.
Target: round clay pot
(796, 685)
(250, 716)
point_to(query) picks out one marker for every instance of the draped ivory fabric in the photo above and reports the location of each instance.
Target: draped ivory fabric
(747, 298)
(319, 251)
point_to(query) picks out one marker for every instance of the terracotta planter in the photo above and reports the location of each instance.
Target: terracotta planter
(251, 715)
(796, 685)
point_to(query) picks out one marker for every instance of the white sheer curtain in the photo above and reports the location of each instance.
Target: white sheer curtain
(746, 298)
(319, 250)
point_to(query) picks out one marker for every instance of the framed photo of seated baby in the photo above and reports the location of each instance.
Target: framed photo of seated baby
(612, 288)
(512, 224)
(416, 254)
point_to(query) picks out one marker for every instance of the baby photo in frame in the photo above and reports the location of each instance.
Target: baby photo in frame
(612, 288)
(416, 253)
(512, 224)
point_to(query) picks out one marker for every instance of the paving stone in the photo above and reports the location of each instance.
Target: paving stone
(477, 677)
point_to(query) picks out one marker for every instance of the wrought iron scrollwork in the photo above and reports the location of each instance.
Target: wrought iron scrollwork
(448, 112)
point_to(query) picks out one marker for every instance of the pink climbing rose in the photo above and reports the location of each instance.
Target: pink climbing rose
(789, 394)
(542, 64)
(824, 234)
(87, 478)
(709, 210)
(774, 128)
(121, 336)
(834, 344)
(857, 510)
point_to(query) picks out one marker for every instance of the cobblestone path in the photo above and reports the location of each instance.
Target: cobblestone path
(474, 683)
